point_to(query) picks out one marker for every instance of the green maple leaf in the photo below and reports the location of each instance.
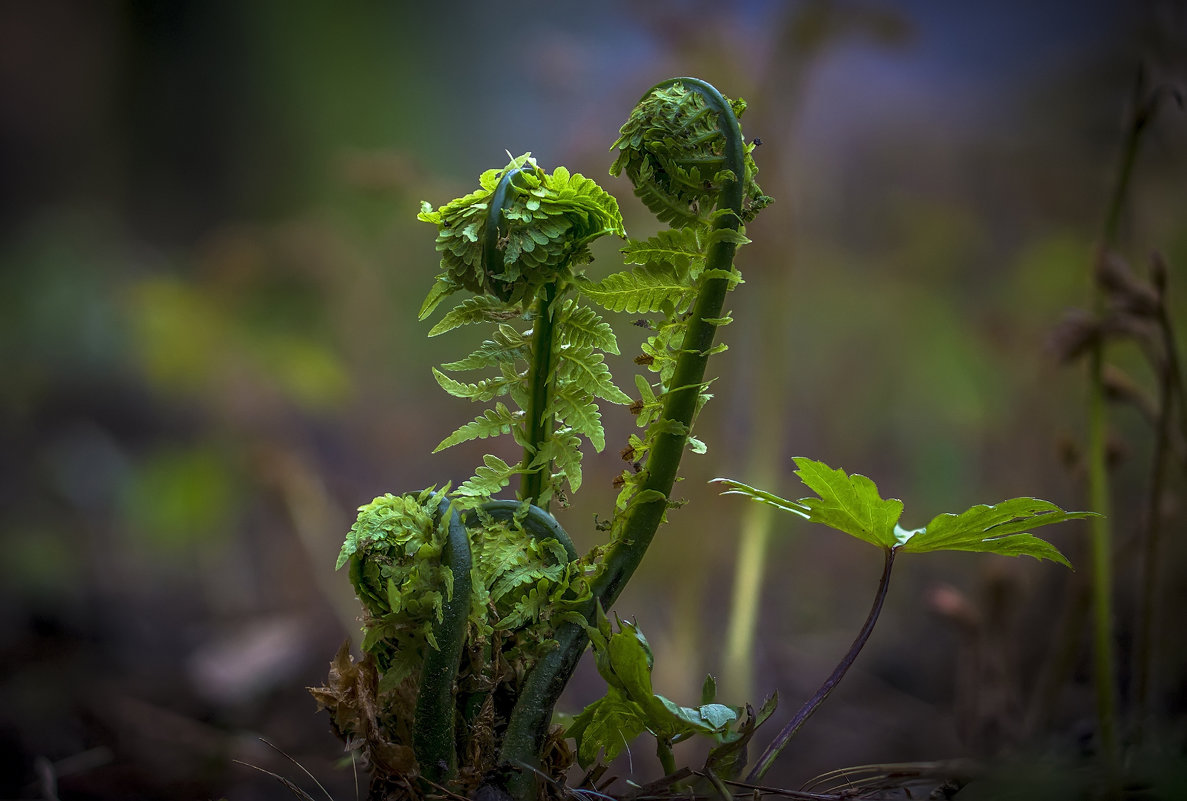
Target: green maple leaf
(852, 504)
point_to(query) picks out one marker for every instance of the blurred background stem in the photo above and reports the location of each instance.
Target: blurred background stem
(1099, 499)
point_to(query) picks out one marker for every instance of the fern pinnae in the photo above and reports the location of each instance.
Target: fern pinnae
(577, 410)
(491, 423)
(581, 326)
(587, 368)
(477, 309)
(506, 346)
(484, 390)
(489, 479)
(679, 247)
(642, 290)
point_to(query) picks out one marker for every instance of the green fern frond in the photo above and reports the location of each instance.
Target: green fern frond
(581, 326)
(491, 423)
(489, 479)
(506, 346)
(679, 247)
(487, 389)
(478, 309)
(587, 368)
(643, 290)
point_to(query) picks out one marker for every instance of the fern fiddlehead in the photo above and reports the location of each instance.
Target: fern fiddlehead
(517, 242)
(683, 149)
(468, 582)
(424, 591)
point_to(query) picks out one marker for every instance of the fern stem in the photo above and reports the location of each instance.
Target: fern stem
(680, 403)
(539, 417)
(434, 725)
(492, 254)
(528, 726)
(801, 717)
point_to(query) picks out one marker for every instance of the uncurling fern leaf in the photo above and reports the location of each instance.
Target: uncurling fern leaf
(643, 290)
(582, 326)
(673, 150)
(478, 309)
(489, 479)
(487, 389)
(544, 226)
(587, 368)
(491, 423)
(679, 247)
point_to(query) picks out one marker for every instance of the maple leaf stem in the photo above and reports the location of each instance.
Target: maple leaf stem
(784, 737)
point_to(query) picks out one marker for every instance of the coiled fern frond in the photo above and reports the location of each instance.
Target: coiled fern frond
(673, 149)
(522, 229)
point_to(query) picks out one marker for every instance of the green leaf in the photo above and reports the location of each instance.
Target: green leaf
(762, 496)
(577, 410)
(717, 716)
(640, 291)
(1001, 529)
(848, 503)
(566, 455)
(630, 660)
(442, 288)
(727, 235)
(506, 346)
(679, 247)
(581, 326)
(588, 370)
(613, 723)
(709, 689)
(488, 479)
(851, 503)
(490, 423)
(484, 390)
(478, 309)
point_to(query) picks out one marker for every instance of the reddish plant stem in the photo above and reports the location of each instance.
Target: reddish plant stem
(780, 742)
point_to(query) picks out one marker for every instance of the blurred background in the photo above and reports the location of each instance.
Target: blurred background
(209, 274)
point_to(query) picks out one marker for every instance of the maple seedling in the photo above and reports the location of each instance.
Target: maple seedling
(852, 504)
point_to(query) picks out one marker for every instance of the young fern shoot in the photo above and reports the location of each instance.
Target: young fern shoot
(516, 243)
(683, 149)
(476, 610)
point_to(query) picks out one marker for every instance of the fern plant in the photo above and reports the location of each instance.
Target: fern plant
(516, 244)
(476, 609)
